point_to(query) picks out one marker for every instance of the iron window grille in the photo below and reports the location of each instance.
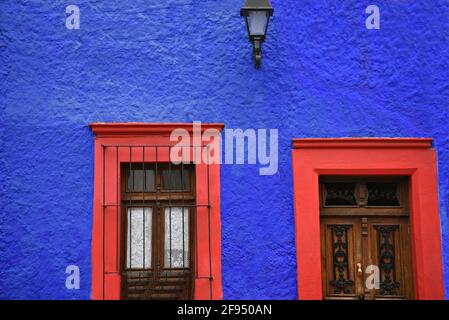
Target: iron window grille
(150, 188)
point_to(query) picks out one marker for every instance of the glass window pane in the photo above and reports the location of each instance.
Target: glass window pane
(137, 180)
(139, 228)
(172, 179)
(257, 22)
(340, 194)
(382, 194)
(176, 247)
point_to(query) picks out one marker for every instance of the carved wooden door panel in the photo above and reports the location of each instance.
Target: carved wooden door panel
(365, 239)
(389, 249)
(341, 251)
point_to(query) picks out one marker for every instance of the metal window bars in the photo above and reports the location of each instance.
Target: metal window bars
(109, 189)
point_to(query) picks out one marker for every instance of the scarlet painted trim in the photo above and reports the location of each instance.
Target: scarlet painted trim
(368, 156)
(140, 128)
(105, 275)
(362, 143)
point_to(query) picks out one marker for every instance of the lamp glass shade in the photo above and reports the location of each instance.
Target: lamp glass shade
(257, 23)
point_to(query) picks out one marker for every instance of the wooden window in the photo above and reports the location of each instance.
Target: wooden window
(159, 230)
(146, 210)
(362, 194)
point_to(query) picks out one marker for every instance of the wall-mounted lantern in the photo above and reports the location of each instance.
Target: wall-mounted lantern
(257, 15)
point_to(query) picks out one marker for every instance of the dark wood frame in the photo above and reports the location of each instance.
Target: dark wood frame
(154, 199)
(163, 195)
(403, 194)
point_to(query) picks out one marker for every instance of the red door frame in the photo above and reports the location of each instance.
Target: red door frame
(105, 269)
(412, 157)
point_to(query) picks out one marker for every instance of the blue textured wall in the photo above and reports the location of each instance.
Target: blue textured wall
(324, 75)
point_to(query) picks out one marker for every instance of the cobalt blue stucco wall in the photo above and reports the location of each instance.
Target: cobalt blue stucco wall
(324, 75)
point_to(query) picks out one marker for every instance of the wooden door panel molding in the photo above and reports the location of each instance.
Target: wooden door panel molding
(411, 157)
(387, 246)
(350, 244)
(340, 249)
(389, 240)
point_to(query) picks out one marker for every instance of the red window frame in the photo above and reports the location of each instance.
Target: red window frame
(105, 271)
(413, 157)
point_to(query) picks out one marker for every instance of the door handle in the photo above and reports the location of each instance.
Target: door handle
(359, 269)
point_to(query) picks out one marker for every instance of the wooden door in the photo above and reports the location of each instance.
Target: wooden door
(365, 244)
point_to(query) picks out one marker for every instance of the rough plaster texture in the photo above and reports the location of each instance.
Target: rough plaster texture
(324, 75)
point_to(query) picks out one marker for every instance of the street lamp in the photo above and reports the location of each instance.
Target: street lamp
(257, 15)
